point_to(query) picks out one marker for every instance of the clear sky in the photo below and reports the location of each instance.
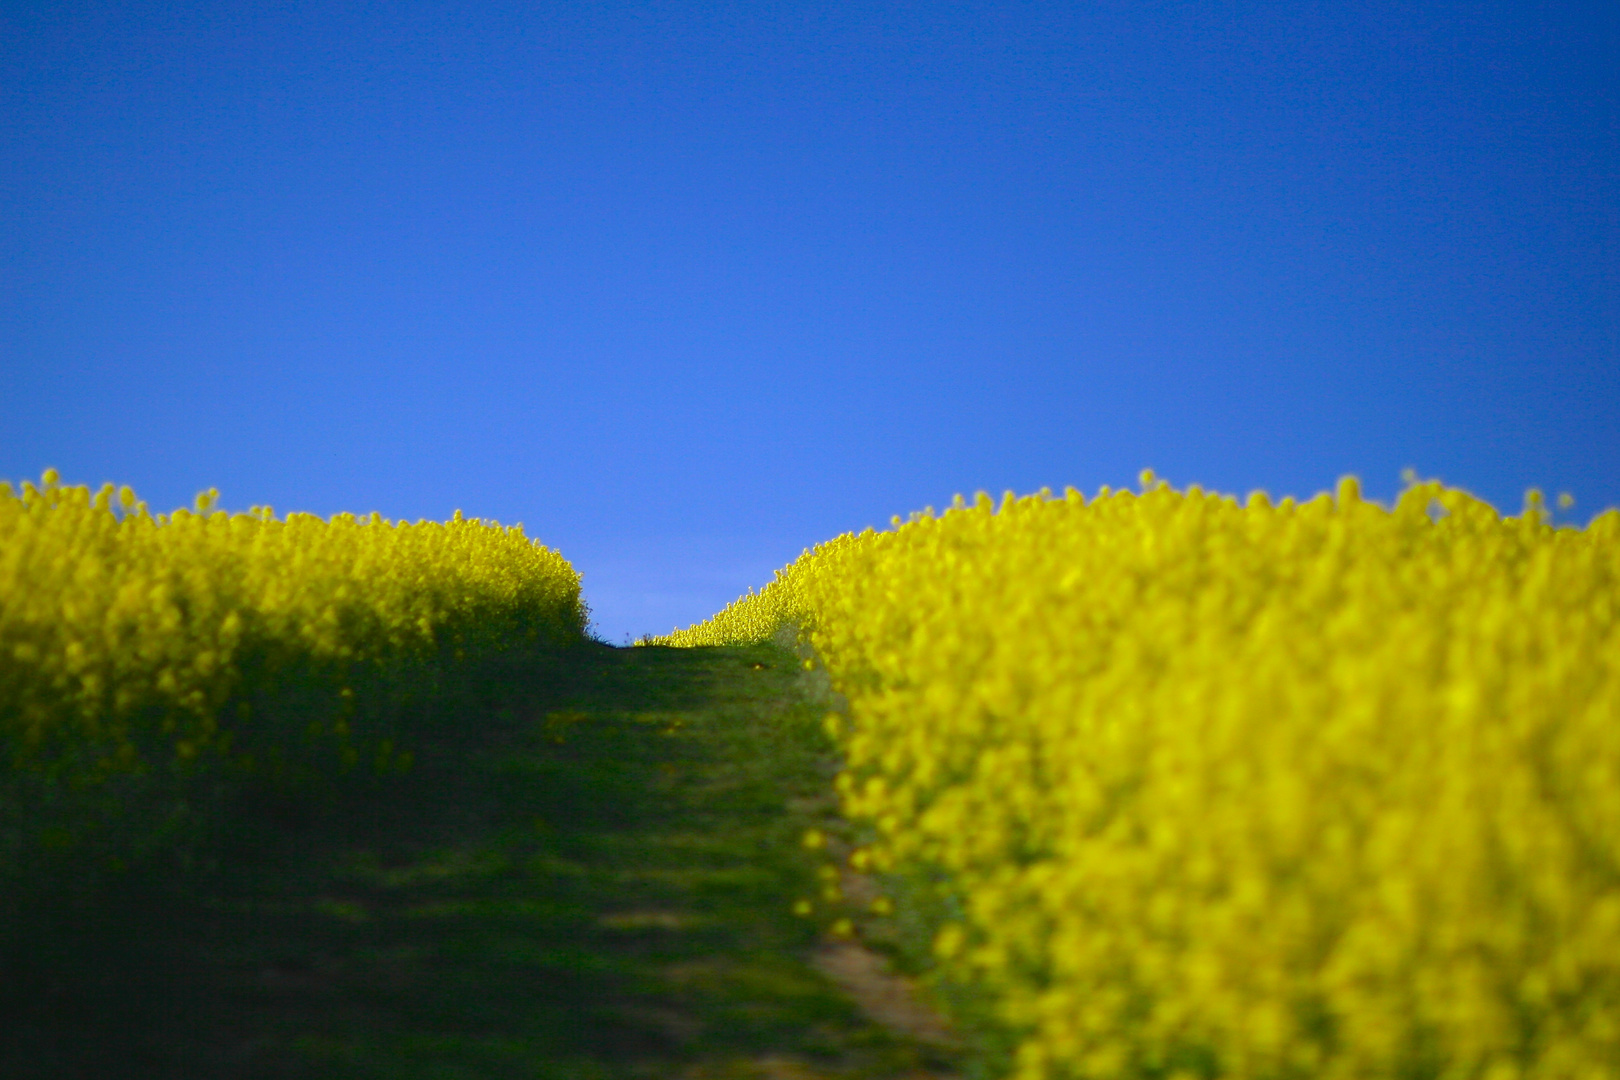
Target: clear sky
(686, 287)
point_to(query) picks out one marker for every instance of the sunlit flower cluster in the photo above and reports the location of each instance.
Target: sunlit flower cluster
(1321, 789)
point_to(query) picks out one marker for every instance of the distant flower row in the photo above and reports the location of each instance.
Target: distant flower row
(1319, 789)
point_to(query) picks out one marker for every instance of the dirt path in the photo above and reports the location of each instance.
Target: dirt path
(594, 878)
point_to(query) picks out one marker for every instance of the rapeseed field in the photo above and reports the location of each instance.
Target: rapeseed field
(1251, 789)
(138, 650)
(1178, 785)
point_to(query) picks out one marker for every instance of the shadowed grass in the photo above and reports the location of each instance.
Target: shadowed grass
(589, 873)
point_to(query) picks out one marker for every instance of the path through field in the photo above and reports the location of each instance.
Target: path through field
(594, 878)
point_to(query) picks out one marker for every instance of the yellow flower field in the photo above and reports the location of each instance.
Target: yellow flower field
(1243, 789)
(133, 644)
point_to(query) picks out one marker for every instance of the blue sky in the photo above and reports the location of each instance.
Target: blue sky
(687, 287)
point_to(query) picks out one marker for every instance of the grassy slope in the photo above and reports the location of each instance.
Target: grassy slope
(589, 874)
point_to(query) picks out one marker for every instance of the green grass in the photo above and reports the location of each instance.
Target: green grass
(589, 873)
